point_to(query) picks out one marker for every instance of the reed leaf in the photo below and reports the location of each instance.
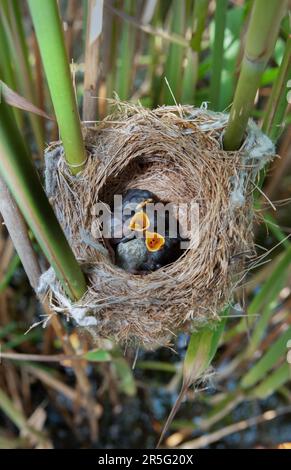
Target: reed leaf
(201, 349)
(276, 231)
(277, 351)
(17, 101)
(20, 176)
(273, 382)
(267, 294)
(126, 383)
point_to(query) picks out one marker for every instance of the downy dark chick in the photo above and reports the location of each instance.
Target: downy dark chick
(154, 241)
(133, 201)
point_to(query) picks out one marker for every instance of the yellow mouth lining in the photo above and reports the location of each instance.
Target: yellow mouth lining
(139, 222)
(154, 241)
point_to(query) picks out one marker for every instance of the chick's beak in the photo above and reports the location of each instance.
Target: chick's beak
(154, 241)
(139, 222)
(143, 203)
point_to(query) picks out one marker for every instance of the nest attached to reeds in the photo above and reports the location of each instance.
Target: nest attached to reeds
(176, 152)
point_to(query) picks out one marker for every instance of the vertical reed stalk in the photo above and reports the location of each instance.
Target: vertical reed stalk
(217, 55)
(7, 72)
(24, 69)
(72, 7)
(51, 42)
(175, 55)
(17, 229)
(261, 37)
(125, 65)
(192, 59)
(278, 102)
(108, 47)
(94, 28)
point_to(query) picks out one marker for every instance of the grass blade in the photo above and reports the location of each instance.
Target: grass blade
(277, 350)
(13, 265)
(278, 378)
(20, 176)
(267, 294)
(200, 351)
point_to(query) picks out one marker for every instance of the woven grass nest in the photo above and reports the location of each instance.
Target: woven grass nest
(176, 152)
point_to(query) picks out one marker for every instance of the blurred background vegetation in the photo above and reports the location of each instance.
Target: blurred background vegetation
(154, 52)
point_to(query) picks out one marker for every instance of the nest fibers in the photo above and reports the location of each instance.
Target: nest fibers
(176, 152)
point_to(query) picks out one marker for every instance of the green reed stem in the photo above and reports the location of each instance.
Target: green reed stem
(48, 28)
(278, 102)
(261, 37)
(190, 77)
(174, 61)
(217, 55)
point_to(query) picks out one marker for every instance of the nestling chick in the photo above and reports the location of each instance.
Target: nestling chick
(169, 252)
(165, 223)
(136, 196)
(148, 242)
(133, 201)
(142, 255)
(132, 255)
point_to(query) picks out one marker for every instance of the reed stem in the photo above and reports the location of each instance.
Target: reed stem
(261, 37)
(48, 28)
(192, 59)
(278, 100)
(175, 56)
(93, 31)
(217, 55)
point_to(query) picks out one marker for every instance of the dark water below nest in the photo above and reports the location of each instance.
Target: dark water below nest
(135, 422)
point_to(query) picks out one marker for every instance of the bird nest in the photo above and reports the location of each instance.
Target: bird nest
(175, 152)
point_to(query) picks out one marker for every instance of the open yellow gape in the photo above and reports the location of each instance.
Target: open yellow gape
(139, 222)
(154, 241)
